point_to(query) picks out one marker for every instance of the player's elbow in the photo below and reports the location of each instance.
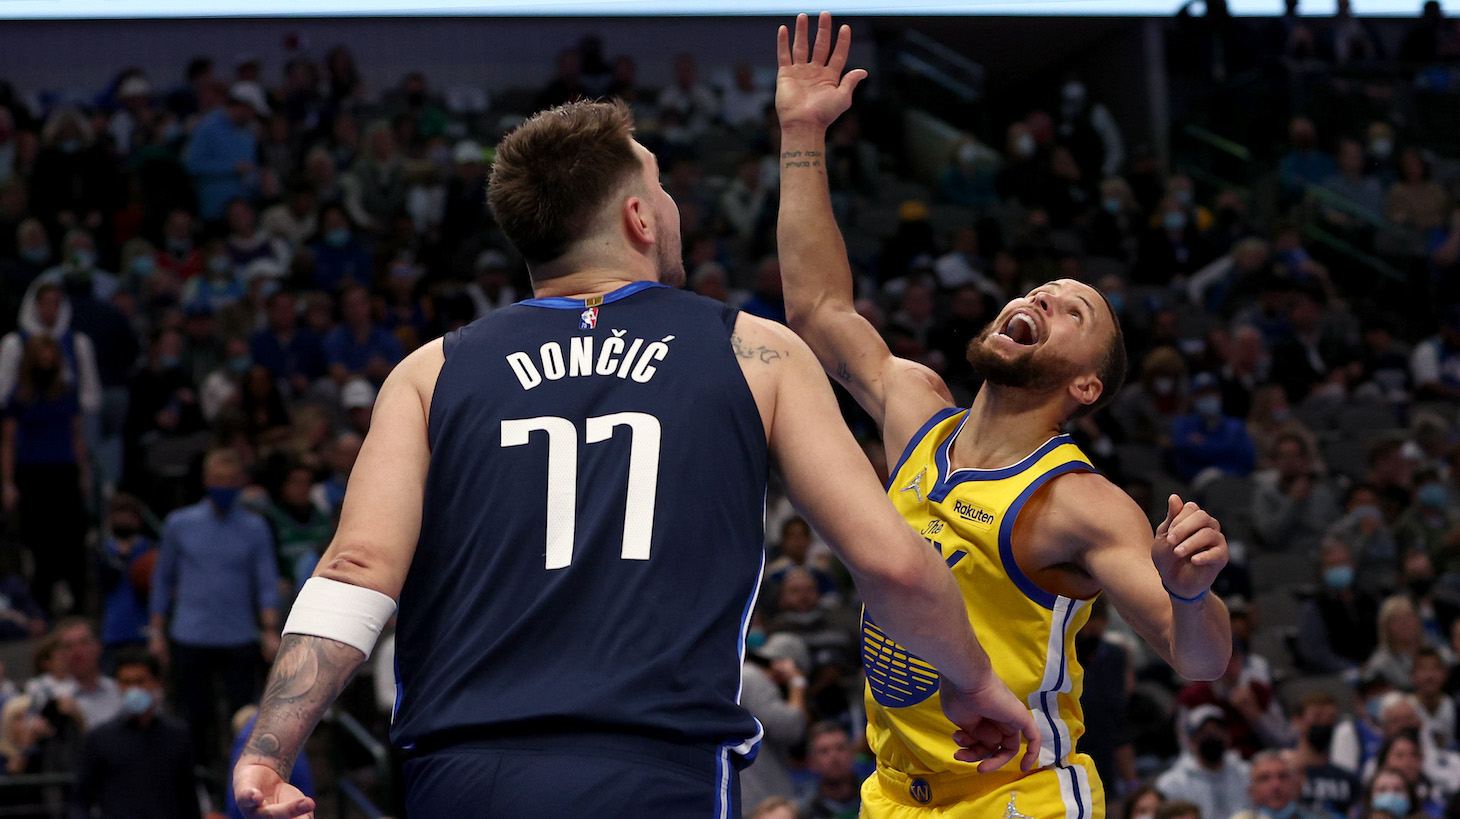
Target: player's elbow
(357, 564)
(1204, 666)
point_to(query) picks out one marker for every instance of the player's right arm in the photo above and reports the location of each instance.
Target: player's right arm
(380, 523)
(902, 580)
(810, 94)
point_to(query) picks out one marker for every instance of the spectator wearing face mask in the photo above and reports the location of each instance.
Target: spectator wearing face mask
(1207, 774)
(1251, 711)
(141, 762)
(1435, 605)
(1425, 524)
(1325, 787)
(340, 257)
(1430, 773)
(180, 253)
(124, 560)
(1275, 789)
(1024, 176)
(1376, 556)
(1338, 624)
(1390, 795)
(1207, 440)
(1147, 409)
(215, 597)
(32, 258)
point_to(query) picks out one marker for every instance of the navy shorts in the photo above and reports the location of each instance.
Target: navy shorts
(558, 776)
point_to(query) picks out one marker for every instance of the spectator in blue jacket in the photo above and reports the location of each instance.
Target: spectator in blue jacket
(360, 346)
(1206, 439)
(222, 156)
(215, 572)
(340, 256)
(124, 609)
(293, 354)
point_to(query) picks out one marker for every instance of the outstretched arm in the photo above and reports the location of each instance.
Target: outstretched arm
(1160, 585)
(379, 526)
(810, 94)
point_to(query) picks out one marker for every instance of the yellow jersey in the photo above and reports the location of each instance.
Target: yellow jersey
(968, 515)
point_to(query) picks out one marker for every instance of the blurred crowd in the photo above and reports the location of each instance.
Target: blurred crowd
(206, 279)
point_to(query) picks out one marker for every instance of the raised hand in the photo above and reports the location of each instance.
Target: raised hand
(1189, 549)
(810, 88)
(262, 794)
(990, 722)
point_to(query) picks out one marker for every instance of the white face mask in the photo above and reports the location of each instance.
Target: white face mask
(1024, 146)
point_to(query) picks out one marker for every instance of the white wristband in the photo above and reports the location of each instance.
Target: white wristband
(353, 615)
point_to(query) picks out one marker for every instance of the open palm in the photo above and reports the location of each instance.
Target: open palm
(810, 88)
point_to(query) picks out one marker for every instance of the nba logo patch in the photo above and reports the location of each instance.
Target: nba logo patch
(589, 319)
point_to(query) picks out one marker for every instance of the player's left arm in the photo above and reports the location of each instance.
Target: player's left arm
(370, 555)
(1153, 581)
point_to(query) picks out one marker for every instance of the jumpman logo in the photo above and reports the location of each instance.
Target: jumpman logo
(1011, 812)
(916, 484)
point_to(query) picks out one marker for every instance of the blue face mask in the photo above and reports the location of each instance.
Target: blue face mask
(1174, 220)
(1338, 577)
(1117, 302)
(168, 362)
(240, 364)
(36, 255)
(754, 640)
(1111, 205)
(143, 266)
(1209, 406)
(1394, 804)
(337, 237)
(137, 701)
(223, 497)
(1432, 495)
(83, 259)
(220, 265)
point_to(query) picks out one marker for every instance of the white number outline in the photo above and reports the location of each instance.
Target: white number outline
(562, 477)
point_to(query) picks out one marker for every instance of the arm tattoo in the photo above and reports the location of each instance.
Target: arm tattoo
(802, 159)
(764, 353)
(843, 374)
(307, 676)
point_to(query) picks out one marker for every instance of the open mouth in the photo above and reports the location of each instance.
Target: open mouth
(1021, 329)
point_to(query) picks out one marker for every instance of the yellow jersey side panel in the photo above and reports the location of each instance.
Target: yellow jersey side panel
(968, 516)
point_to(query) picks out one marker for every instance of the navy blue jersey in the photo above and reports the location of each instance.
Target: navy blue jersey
(591, 540)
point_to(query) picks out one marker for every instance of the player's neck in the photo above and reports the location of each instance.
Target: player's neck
(588, 282)
(1005, 425)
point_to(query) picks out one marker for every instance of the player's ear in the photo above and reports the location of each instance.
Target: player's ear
(1087, 389)
(638, 220)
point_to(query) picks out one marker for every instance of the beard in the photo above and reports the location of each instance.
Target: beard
(669, 260)
(1026, 370)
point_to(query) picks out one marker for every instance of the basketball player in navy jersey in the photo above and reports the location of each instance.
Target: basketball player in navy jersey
(567, 498)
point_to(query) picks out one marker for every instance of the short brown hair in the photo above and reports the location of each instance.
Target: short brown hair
(556, 170)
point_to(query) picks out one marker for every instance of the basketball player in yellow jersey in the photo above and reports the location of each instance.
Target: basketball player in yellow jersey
(1029, 530)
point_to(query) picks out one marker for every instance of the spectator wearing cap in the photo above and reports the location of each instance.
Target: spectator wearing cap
(139, 763)
(222, 155)
(464, 212)
(1207, 439)
(360, 346)
(774, 691)
(357, 399)
(215, 575)
(340, 256)
(1435, 363)
(1275, 788)
(1207, 774)
(291, 353)
(491, 288)
(135, 113)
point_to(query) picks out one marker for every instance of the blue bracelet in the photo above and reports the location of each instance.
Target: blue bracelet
(1176, 596)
